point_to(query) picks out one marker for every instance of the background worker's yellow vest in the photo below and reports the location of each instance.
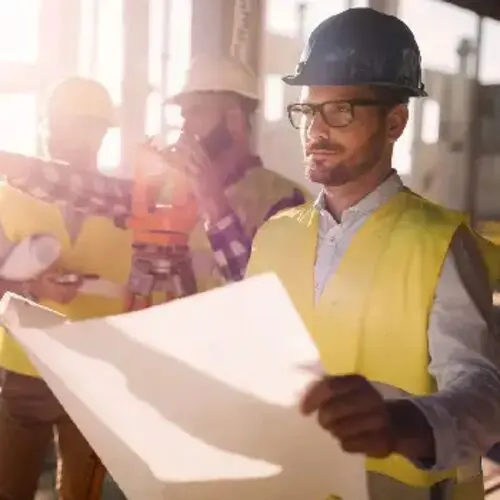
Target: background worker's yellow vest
(372, 318)
(100, 248)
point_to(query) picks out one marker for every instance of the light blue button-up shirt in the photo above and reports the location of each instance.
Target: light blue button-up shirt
(464, 349)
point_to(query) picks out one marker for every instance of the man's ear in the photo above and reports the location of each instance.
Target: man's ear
(396, 122)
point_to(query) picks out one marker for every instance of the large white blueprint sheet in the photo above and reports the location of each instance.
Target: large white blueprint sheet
(195, 399)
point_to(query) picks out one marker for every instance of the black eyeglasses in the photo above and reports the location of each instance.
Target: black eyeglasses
(335, 114)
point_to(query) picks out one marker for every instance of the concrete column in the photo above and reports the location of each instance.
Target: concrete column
(228, 26)
(206, 26)
(58, 52)
(58, 38)
(135, 87)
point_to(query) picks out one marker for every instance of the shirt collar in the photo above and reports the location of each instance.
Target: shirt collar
(385, 191)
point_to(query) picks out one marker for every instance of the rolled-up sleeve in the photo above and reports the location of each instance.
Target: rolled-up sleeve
(231, 247)
(464, 348)
(85, 191)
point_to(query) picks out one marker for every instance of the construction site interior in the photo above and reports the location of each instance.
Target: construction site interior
(140, 49)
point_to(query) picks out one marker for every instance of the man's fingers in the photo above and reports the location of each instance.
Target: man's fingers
(195, 150)
(353, 425)
(369, 444)
(316, 395)
(344, 384)
(344, 407)
(328, 387)
(183, 160)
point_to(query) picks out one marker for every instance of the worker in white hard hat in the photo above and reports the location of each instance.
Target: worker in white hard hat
(78, 114)
(235, 194)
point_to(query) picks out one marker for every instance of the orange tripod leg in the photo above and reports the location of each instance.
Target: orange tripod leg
(135, 302)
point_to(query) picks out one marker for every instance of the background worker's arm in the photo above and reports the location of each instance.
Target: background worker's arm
(17, 287)
(465, 359)
(86, 191)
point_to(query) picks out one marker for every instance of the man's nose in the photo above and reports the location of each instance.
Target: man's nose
(318, 129)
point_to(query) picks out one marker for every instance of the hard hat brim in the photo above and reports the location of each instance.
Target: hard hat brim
(303, 80)
(177, 99)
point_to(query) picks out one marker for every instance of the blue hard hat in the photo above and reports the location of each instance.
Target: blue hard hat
(361, 46)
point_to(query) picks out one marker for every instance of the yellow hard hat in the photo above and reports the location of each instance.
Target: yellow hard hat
(78, 96)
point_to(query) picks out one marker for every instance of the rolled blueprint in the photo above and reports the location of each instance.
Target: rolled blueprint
(29, 258)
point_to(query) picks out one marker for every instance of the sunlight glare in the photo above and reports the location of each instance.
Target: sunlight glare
(19, 30)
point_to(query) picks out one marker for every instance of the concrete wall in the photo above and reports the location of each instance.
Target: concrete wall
(278, 141)
(439, 170)
(219, 26)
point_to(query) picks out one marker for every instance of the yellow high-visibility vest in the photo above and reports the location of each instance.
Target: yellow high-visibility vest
(373, 315)
(101, 248)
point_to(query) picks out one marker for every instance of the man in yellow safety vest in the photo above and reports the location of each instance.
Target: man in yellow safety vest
(78, 115)
(394, 290)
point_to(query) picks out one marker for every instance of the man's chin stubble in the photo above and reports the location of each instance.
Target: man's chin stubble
(326, 177)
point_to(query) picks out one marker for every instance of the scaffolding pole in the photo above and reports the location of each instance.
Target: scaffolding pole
(135, 84)
(473, 151)
(165, 62)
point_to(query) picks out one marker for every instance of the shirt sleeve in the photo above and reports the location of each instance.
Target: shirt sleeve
(464, 348)
(232, 245)
(87, 192)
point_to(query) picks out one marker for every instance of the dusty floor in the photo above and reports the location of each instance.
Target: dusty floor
(491, 473)
(46, 486)
(46, 490)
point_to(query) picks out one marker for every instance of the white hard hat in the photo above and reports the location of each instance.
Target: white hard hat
(212, 73)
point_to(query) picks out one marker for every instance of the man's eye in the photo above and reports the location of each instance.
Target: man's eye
(302, 109)
(343, 107)
(336, 108)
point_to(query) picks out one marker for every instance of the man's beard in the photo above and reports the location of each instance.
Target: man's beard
(320, 172)
(338, 174)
